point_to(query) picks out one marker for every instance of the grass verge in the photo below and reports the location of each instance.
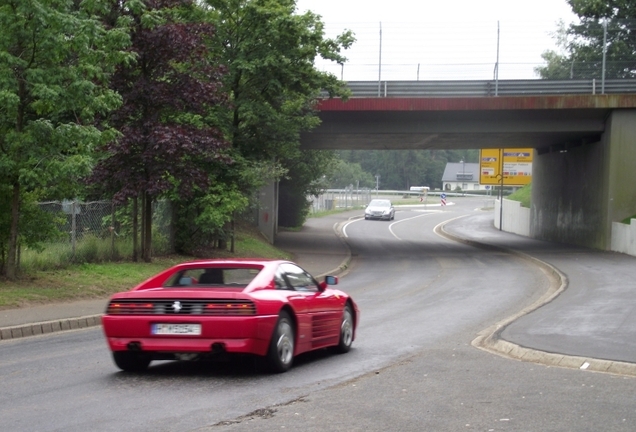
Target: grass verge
(89, 281)
(522, 195)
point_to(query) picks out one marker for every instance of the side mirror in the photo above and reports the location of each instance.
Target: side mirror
(331, 280)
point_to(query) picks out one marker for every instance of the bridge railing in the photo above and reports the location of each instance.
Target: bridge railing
(482, 88)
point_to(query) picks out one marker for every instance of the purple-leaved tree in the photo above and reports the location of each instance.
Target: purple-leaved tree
(167, 142)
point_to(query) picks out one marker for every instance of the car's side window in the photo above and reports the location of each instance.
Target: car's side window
(279, 280)
(298, 278)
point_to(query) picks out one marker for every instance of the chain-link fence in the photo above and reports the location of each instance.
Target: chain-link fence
(97, 231)
(333, 199)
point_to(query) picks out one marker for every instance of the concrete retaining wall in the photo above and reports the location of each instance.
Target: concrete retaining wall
(581, 188)
(516, 219)
(624, 237)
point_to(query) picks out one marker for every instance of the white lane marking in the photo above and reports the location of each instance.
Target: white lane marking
(404, 220)
(439, 226)
(344, 227)
(427, 212)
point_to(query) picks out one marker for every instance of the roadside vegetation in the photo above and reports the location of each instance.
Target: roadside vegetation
(522, 195)
(628, 220)
(99, 280)
(397, 169)
(199, 103)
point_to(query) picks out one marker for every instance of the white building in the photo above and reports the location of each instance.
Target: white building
(462, 175)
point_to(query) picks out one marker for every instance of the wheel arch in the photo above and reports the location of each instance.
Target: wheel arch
(292, 314)
(354, 312)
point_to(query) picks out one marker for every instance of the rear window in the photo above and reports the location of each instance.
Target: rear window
(380, 203)
(213, 277)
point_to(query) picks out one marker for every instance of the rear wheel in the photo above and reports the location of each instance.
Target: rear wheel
(281, 348)
(131, 361)
(346, 331)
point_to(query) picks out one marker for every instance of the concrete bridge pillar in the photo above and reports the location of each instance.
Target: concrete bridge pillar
(579, 189)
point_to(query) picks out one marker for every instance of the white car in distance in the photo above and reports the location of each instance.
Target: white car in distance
(381, 209)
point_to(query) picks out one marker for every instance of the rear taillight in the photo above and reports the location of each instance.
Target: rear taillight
(115, 308)
(230, 308)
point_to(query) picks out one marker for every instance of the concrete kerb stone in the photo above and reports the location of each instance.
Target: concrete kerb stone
(343, 268)
(490, 339)
(45, 327)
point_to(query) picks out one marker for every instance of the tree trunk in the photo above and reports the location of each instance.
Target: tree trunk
(147, 228)
(12, 267)
(142, 228)
(135, 228)
(173, 234)
(112, 231)
(223, 240)
(233, 232)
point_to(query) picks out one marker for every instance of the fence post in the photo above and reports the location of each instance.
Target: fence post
(73, 227)
(112, 230)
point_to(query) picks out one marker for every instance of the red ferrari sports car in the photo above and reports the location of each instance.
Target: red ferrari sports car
(200, 309)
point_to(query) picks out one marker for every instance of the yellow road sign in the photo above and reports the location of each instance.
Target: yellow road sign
(514, 164)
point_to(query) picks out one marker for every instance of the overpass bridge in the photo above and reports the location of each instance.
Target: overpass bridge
(583, 133)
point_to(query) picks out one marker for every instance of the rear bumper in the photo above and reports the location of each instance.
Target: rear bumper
(379, 217)
(190, 345)
(248, 335)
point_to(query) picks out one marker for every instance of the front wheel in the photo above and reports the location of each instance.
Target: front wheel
(280, 355)
(346, 331)
(131, 361)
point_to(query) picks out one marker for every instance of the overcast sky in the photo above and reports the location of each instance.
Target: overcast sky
(441, 39)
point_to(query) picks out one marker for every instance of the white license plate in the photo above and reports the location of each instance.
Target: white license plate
(176, 329)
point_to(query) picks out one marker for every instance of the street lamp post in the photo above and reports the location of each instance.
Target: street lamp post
(463, 176)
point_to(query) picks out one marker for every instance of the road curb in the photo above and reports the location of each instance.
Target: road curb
(343, 268)
(45, 327)
(490, 339)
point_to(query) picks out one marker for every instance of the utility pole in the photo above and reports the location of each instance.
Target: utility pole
(380, 65)
(497, 64)
(604, 55)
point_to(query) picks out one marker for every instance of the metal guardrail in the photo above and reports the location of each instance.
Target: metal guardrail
(481, 88)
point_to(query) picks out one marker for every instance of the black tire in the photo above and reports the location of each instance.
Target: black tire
(280, 355)
(131, 361)
(346, 331)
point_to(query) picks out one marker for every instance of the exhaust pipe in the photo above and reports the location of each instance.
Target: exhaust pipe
(217, 348)
(134, 346)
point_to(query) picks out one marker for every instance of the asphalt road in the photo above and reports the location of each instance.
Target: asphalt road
(423, 300)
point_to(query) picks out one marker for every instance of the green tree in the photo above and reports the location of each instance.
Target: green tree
(401, 169)
(56, 60)
(169, 143)
(269, 52)
(345, 174)
(602, 23)
(302, 180)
